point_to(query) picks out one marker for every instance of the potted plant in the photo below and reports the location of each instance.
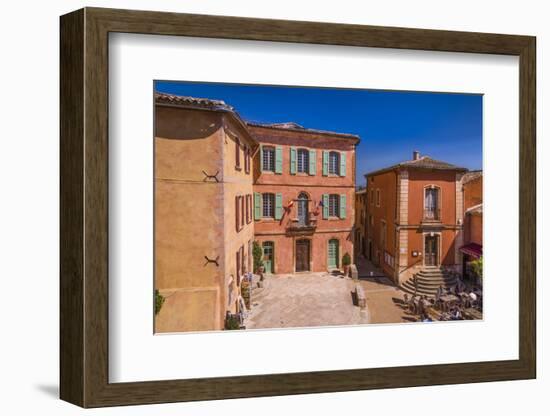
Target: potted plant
(257, 254)
(346, 262)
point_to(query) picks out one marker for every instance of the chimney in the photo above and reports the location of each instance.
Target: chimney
(416, 155)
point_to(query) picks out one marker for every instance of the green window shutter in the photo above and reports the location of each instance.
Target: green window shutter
(325, 206)
(257, 205)
(342, 164)
(342, 206)
(293, 161)
(278, 159)
(312, 162)
(325, 163)
(278, 206)
(261, 157)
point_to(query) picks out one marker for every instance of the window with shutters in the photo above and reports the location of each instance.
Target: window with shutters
(238, 267)
(303, 161)
(237, 154)
(247, 159)
(243, 261)
(334, 205)
(242, 211)
(248, 209)
(268, 205)
(378, 197)
(334, 163)
(268, 159)
(238, 213)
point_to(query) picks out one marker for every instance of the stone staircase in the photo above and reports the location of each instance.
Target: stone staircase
(429, 279)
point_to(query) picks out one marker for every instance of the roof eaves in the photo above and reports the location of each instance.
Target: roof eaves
(285, 127)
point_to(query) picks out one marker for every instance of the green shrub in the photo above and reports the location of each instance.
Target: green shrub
(476, 267)
(346, 259)
(257, 254)
(159, 301)
(231, 322)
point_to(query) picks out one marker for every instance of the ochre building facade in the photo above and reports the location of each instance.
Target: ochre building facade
(415, 217)
(203, 218)
(221, 184)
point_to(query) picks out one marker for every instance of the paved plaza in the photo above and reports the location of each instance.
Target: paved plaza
(323, 299)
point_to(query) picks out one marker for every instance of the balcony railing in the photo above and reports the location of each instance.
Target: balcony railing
(432, 215)
(299, 226)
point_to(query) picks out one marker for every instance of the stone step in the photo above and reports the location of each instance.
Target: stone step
(432, 274)
(427, 284)
(420, 291)
(442, 280)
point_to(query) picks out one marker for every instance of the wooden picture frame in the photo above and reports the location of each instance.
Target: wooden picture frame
(84, 207)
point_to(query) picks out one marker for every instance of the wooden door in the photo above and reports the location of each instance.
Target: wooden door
(430, 251)
(333, 254)
(302, 255)
(268, 256)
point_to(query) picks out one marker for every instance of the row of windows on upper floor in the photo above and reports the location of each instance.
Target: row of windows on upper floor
(431, 201)
(270, 205)
(302, 161)
(247, 156)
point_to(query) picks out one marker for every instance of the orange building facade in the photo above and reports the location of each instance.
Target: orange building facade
(220, 185)
(473, 219)
(203, 218)
(361, 224)
(414, 217)
(304, 191)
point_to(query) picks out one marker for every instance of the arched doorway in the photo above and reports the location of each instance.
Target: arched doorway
(302, 209)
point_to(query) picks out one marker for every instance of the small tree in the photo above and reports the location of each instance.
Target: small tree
(476, 268)
(159, 301)
(346, 259)
(257, 254)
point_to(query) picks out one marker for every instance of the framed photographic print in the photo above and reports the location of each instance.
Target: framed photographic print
(256, 207)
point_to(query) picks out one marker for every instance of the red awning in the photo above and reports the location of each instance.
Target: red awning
(472, 249)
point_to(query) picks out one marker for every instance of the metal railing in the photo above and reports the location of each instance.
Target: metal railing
(432, 214)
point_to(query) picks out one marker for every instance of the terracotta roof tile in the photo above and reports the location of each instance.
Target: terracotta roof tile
(424, 162)
(207, 103)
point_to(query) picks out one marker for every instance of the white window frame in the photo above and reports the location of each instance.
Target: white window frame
(334, 204)
(334, 163)
(303, 161)
(269, 160)
(268, 204)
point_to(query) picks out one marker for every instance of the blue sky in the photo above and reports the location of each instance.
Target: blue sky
(391, 124)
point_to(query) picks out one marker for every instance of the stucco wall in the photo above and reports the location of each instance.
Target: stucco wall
(473, 192)
(386, 184)
(474, 229)
(445, 180)
(237, 182)
(285, 256)
(186, 143)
